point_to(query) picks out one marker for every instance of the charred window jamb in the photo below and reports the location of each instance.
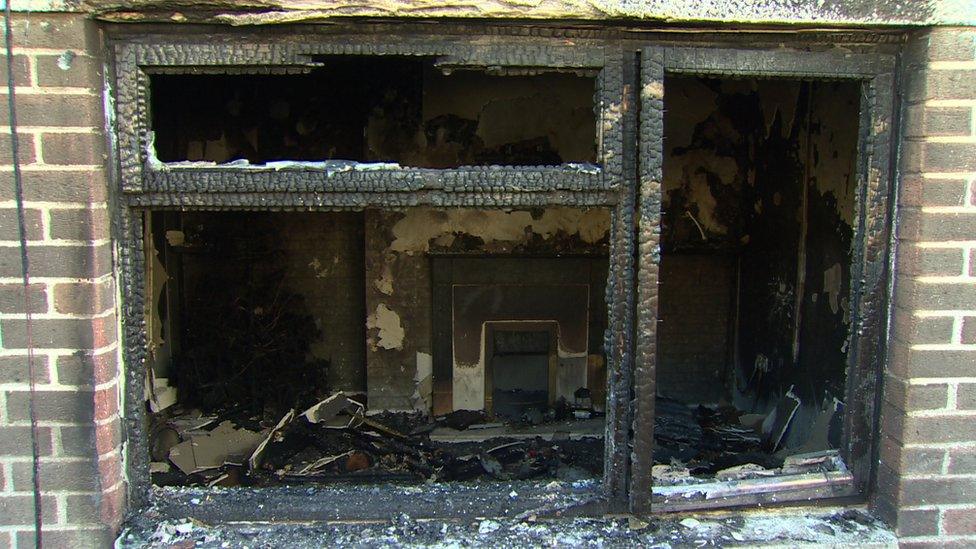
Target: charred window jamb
(865, 359)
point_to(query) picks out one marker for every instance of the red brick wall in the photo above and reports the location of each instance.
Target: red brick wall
(60, 121)
(927, 472)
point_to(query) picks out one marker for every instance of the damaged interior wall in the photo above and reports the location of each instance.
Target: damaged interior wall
(370, 302)
(759, 180)
(376, 109)
(265, 308)
(412, 362)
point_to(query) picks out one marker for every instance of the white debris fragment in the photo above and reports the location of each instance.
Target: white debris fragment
(690, 523)
(488, 526)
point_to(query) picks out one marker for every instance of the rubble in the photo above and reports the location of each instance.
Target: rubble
(224, 445)
(334, 441)
(832, 527)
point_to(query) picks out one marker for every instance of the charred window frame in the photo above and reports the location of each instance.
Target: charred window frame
(145, 183)
(869, 288)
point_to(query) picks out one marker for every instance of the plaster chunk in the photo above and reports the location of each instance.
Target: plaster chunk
(390, 332)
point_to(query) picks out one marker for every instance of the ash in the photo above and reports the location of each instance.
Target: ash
(780, 527)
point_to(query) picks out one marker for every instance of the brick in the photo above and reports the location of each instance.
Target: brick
(79, 224)
(918, 261)
(951, 44)
(915, 397)
(10, 227)
(19, 509)
(53, 30)
(57, 110)
(63, 475)
(59, 333)
(959, 522)
(935, 295)
(106, 403)
(70, 537)
(113, 506)
(21, 70)
(927, 84)
(922, 329)
(12, 298)
(962, 461)
(936, 491)
(939, 429)
(939, 157)
(913, 522)
(85, 369)
(917, 226)
(893, 427)
(940, 543)
(887, 492)
(969, 330)
(110, 469)
(911, 460)
(108, 437)
(13, 369)
(83, 508)
(63, 406)
(25, 150)
(972, 262)
(906, 362)
(15, 441)
(54, 185)
(72, 148)
(83, 297)
(79, 71)
(918, 191)
(78, 441)
(59, 261)
(966, 397)
(923, 121)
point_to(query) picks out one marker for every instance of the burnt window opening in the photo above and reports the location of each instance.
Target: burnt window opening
(376, 346)
(755, 278)
(376, 109)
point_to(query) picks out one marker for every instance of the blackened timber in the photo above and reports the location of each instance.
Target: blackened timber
(869, 275)
(620, 293)
(651, 164)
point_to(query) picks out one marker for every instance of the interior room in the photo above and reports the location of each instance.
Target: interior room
(408, 111)
(425, 343)
(378, 345)
(755, 279)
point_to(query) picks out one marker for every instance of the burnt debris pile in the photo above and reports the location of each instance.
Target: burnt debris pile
(335, 440)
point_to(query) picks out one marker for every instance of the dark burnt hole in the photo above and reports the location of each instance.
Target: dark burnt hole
(376, 109)
(757, 216)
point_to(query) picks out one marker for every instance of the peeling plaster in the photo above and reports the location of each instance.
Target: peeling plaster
(390, 332)
(419, 226)
(423, 396)
(385, 282)
(832, 280)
